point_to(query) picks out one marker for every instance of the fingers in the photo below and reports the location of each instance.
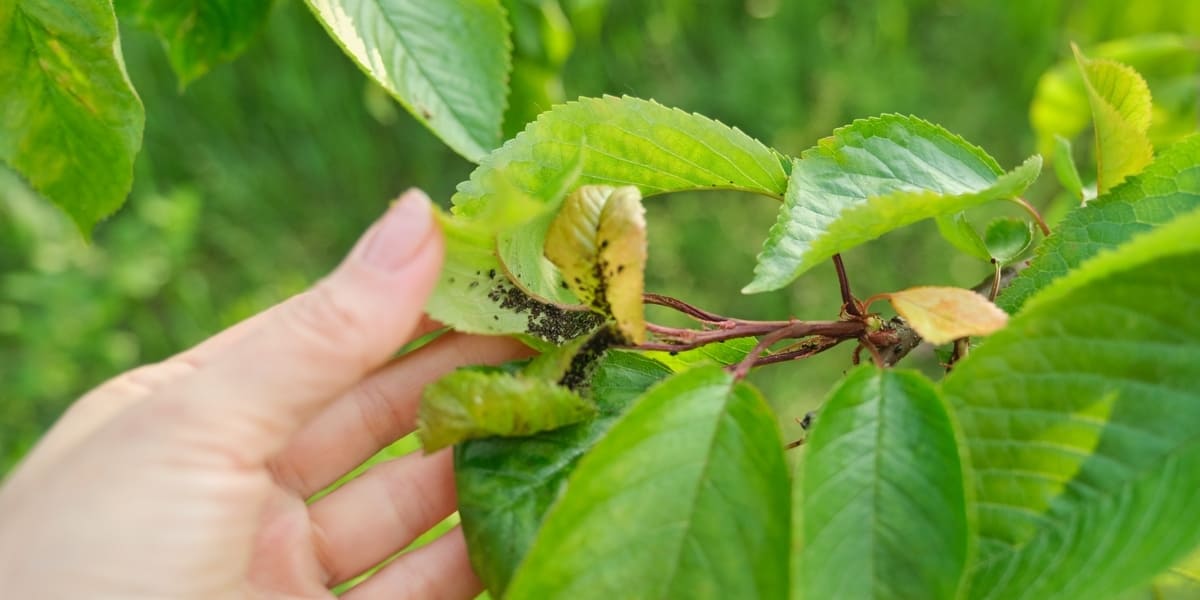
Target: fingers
(381, 512)
(264, 385)
(439, 571)
(379, 410)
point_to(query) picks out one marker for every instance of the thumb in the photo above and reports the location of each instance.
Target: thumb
(318, 344)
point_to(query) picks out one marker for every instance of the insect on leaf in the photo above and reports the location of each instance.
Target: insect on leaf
(470, 404)
(944, 314)
(598, 240)
(1121, 109)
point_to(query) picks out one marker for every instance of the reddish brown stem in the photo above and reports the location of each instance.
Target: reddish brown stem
(849, 304)
(696, 313)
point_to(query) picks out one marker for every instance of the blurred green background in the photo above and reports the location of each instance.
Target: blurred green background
(255, 179)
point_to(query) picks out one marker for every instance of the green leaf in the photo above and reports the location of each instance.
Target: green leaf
(871, 177)
(686, 497)
(728, 352)
(961, 234)
(1121, 108)
(471, 404)
(475, 295)
(598, 240)
(447, 62)
(72, 122)
(506, 485)
(880, 509)
(199, 34)
(1064, 168)
(1007, 238)
(1167, 188)
(615, 141)
(1082, 419)
(1167, 61)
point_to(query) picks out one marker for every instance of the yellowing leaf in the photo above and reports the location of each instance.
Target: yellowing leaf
(944, 314)
(471, 404)
(598, 240)
(1121, 111)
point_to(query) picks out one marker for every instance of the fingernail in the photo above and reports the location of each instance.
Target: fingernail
(400, 233)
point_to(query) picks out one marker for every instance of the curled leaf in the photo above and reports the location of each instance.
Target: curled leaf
(472, 404)
(598, 240)
(1007, 238)
(1121, 110)
(944, 314)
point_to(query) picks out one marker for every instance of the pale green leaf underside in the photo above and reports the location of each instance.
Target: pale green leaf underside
(506, 485)
(1168, 61)
(472, 404)
(871, 177)
(612, 141)
(1082, 419)
(71, 122)
(199, 34)
(880, 506)
(447, 62)
(1170, 186)
(686, 497)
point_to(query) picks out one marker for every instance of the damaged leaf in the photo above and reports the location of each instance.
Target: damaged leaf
(598, 240)
(944, 314)
(472, 404)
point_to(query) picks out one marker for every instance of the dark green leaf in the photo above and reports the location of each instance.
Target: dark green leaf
(506, 485)
(199, 34)
(471, 404)
(871, 177)
(880, 506)
(686, 497)
(1167, 188)
(1082, 419)
(71, 123)
(447, 62)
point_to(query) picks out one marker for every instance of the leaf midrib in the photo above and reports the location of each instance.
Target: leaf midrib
(424, 73)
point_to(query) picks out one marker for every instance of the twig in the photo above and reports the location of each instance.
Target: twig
(849, 304)
(683, 307)
(995, 289)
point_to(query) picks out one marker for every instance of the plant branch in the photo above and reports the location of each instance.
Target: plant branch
(849, 304)
(683, 307)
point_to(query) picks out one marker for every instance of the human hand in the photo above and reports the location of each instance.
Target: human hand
(188, 478)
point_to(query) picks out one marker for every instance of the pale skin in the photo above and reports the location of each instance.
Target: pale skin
(189, 478)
